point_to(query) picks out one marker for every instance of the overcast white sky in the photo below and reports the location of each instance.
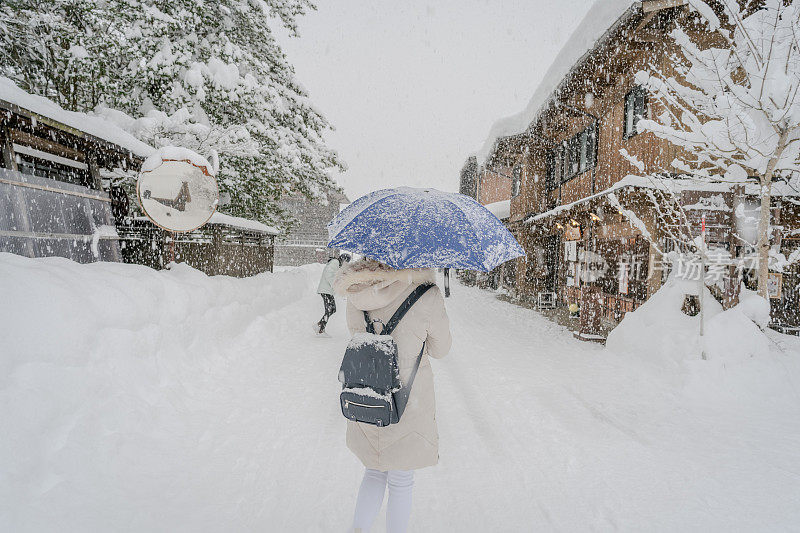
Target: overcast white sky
(413, 86)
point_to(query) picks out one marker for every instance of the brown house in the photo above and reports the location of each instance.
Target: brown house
(56, 198)
(590, 226)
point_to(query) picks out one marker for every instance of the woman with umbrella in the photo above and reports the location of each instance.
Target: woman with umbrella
(392, 453)
(404, 234)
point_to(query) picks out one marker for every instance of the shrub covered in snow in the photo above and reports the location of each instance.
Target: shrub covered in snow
(660, 330)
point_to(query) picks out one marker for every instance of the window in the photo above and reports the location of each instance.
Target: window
(588, 154)
(583, 154)
(564, 162)
(516, 180)
(572, 157)
(555, 169)
(46, 165)
(551, 178)
(635, 110)
(591, 146)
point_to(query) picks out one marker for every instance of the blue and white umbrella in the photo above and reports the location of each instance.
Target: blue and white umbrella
(416, 228)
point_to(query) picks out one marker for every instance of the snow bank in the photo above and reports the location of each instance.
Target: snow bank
(93, 125)
(659, 330)
(600, 17)
(754, 307)
(138, 399)
(662, 333)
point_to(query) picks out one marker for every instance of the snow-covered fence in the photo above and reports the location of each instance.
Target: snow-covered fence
(216, 249)
(41, 217)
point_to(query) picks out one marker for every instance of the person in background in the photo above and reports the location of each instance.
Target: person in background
(325, 288)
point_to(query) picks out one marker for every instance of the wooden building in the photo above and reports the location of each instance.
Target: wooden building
(225, 245)
(56, 201)
(52, 201)
(591, 228)
(492, 187)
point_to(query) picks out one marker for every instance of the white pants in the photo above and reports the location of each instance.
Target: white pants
(370, 499)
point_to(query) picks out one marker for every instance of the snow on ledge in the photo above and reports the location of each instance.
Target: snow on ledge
(672, 186)
(242, 223)
(86, 123)
(234, 222)
(501, 209)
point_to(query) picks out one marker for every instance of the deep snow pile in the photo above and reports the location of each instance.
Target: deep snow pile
(137, 400)
(667, 336)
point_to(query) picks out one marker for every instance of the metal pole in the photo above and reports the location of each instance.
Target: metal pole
(702, 283)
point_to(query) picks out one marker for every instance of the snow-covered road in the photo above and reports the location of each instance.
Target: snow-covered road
(174, 402)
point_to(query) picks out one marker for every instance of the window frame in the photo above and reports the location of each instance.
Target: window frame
(583, 156)
(35, 165)
(592, 133)
(550, 175)
(516, 181)
(572, 157)
(635, 108)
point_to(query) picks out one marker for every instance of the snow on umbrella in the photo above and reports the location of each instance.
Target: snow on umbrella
(415, 228)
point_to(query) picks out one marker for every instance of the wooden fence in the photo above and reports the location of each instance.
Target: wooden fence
(216, 249)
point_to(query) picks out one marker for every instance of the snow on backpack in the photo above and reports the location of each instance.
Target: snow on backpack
(371, 389)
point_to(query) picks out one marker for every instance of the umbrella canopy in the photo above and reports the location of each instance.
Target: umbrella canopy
(416, 228)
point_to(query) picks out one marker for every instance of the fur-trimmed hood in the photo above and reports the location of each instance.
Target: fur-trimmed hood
(371, 285)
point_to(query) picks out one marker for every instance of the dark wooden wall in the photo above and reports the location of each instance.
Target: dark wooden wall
(215, 249)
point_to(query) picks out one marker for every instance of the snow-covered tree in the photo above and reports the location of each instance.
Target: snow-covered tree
(203, 75)
(58, 49)
(734, 104)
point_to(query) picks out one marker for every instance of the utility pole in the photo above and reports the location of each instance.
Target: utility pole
(702, 283)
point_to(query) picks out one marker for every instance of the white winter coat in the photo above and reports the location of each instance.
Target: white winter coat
(371, 286)
(328, 275)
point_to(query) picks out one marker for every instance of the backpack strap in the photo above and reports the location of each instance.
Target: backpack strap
(401, 396)
(370, 325)
(404, 307)
(398, 315)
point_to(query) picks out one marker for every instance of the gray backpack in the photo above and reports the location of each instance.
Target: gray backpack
(371, 389)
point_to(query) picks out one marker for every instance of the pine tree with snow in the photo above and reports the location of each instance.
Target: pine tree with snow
(203, 75)
(734, 107)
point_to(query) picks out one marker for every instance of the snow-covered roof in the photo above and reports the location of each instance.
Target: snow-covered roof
(501, 209)
(601, 16)
(84, 122)
(241, 223)
(673, 186)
